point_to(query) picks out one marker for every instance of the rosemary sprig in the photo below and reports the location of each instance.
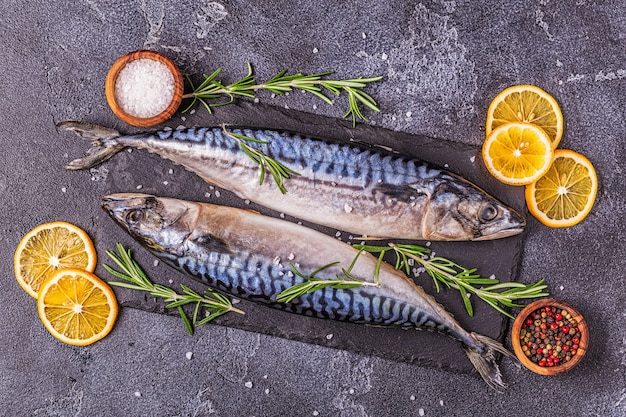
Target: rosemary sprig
(312, 283)
(278, 171)
(213, 89)
(465, 280)
(214, 303)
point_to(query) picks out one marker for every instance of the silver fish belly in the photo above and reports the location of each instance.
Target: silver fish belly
(368, 192)
(248, 255)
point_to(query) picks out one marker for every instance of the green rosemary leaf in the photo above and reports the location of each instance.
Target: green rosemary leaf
(186, 321)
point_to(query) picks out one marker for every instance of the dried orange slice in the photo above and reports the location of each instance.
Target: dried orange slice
(526, 104)
(76, 306)
(517, 153)
(565, 195)
(49, 247)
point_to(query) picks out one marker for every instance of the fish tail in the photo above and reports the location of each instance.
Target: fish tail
(102, 140)
(482, 354)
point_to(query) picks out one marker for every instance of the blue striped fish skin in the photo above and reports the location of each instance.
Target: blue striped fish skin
(364, 191)
(247, 255)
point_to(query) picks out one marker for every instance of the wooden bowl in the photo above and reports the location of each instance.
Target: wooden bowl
(112, 79)
(562, 367)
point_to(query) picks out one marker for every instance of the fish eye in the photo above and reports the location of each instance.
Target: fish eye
(488, 212)
(135, 216)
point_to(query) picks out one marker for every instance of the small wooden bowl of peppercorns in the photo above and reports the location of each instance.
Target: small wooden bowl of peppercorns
(549, 337)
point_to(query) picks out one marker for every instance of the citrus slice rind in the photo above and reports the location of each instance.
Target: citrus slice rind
(49, 247)
(77, 307)
(526, 104)
(564, 196)
(517, 153)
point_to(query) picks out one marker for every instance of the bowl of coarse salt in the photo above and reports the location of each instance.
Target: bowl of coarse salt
(144, 88)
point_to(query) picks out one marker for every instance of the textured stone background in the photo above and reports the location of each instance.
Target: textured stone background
(443, 62)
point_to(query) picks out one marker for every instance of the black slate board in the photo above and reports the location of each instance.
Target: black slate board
(139, 171)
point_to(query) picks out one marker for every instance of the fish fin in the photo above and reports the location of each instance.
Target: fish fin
(401, 192)
(483, 357)
(364, 237)
(103, 145)
(211, 243)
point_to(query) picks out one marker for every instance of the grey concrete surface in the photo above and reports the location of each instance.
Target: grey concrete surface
(443, 62)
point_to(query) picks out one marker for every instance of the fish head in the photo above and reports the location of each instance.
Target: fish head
(160, 224)
(461, 211)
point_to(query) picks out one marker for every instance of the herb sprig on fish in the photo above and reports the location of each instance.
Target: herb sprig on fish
(314, 283)
(275, 168)
(213, 303)
(213, 89)
(455, 276)
(443, 271)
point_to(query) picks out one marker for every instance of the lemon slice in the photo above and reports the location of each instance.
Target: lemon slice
(526, 104)
(517, 153)
(565, 195)
(49, 247)
(76, 306)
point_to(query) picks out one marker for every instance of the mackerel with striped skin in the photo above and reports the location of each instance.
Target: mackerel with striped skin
(368, 192)
(247, 255)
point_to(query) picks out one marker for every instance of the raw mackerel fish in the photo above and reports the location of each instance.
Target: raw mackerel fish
(365, 191)
(248, 255)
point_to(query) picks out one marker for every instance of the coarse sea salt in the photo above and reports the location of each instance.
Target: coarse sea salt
(144, 88)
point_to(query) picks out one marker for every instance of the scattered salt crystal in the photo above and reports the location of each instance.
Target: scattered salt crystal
(441, 403)
(139, 187)
(235, 300)
(351, 391)
(421, 412)
(315, 50)
(409, 114)
(363, 35)
(561, 288)
(171, 171)
(315, 107)
(473, 158)
(217, 193)
(276, 260)
(282, 215)
(384, 56)
(189, 355)
(171, 281)
(183, 118)
(347, 208)
(273, 95)
(412, 398)
(63, 189)
(180, 127)
(248, 384)
(165, 182)
(267, 391)
(156, 262)
(338, 234)
(290, 274)
(291, 256)
(256, 100)
(329, 336)
(137, 394)
(246, 201)
(428, 243)
(193, 111)
(316, 413)
(144, 88)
